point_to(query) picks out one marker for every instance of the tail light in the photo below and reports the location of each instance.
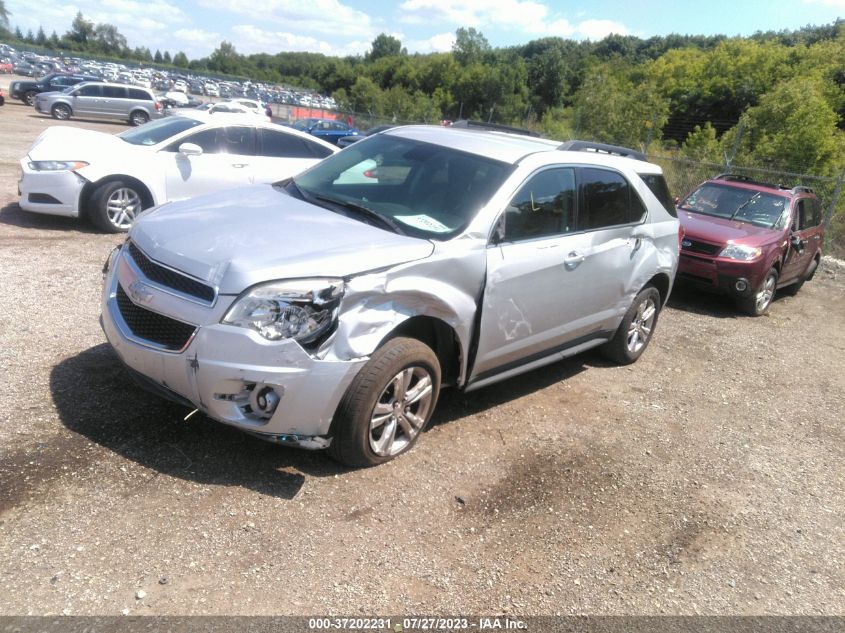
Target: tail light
(158, 106)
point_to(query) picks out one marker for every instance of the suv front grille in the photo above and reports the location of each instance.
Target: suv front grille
(170, 278)
(163, 331)
(700, 247)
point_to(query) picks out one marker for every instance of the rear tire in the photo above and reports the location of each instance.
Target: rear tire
(139, 117)
(115, 205)
(61, 112)
(758, 303)
(636, 329)
(29, 97)
(388, 404)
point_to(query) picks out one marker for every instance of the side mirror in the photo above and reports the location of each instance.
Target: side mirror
(190, 149)
(676, 200)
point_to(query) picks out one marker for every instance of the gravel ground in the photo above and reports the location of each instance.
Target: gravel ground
(706, 478)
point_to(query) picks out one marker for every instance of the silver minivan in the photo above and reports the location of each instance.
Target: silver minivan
(91, 99)
(327, 310)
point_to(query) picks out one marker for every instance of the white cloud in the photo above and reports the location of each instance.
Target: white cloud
(836, 4)
(599, 29)
(252, 39)
(439, 43)
(526, 16)
(329, 17)
(197, 36)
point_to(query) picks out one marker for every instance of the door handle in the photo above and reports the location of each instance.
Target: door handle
(572, 260)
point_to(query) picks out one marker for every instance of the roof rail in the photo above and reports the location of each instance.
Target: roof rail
(492, 127)
(746, 179)
(802, 189)
(601, 148)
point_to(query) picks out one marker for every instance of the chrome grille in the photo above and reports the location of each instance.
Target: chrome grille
(170, 278)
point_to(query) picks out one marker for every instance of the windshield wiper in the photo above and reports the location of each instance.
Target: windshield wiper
(385, 221)
(743, 205)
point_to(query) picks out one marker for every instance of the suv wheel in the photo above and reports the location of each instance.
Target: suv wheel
(139, 117)
(758, 303)
(636, 329)
(115, 205)
(61, 111)
(29, 97)
(387, 405)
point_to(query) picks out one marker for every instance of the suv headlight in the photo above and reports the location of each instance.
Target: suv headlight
(737, 251)
(301, 309)
(57, 165)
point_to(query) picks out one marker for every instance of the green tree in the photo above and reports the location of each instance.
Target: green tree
(180, 60)
(794, 128)
(470, 46)
(225, 59)
(615, 105)
(385, 46)
(18, 33)
(54, 40)
(41, 37)
(108, 39)
(365, 96)
(701, 145)
(81, 32)
(166, 58)
(157, 58)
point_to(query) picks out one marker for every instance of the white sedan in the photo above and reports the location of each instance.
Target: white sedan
(111, 179)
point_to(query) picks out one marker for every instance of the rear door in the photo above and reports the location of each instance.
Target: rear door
(806, 227)
(281, 155)
(226, 162)
(561, 276)
(114, 102)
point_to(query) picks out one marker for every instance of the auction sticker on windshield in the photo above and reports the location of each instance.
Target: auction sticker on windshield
(424, 222)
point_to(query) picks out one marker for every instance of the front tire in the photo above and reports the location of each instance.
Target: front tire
(388, 404)
(115, 205)
(61, 112)
(29, 97)
(636, 329)
(758, 303)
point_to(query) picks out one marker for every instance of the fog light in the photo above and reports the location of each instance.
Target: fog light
(741, 285)
(264, 400)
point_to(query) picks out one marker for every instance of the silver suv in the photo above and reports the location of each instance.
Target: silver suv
(328, 310)
(101, 100)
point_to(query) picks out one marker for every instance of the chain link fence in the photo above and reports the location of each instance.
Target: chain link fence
(684, 175)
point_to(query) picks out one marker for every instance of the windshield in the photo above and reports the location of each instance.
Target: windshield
(733, 203)
(158, 131)
(429, 190)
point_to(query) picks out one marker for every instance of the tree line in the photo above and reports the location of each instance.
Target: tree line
(773, 99)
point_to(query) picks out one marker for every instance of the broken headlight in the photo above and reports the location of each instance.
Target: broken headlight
(301, 309)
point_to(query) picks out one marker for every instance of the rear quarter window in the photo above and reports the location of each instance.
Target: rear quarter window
(658, 186)
(142, 95)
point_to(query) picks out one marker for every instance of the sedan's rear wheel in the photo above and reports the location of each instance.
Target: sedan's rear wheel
(387, 405)
(61, 111)
(115, 206)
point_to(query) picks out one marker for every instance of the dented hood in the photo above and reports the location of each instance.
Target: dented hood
(240, 237)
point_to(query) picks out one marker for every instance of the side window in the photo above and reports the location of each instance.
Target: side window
(817, 212)
(141, 95)
(543, 206)
(281, 145)
(114, 92)
(606, 200)
(239, 140)
(807, 214)
(88, 91)
(317, 151)
(209, 140)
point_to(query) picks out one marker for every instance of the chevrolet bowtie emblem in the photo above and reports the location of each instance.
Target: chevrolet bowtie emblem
(139, 292)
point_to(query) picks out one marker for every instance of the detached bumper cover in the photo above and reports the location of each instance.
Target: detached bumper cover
(721, 275)
(50, 192)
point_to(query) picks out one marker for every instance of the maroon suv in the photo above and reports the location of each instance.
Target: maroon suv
(748, 239)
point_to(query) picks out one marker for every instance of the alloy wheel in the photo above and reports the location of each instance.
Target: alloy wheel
(122, 207)
(641, 326)
(401, 411)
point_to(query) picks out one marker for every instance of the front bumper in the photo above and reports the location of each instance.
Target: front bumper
(51, 192)
(720, 275)
(223, 367)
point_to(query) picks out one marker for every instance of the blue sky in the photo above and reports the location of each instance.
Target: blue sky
(342, 27)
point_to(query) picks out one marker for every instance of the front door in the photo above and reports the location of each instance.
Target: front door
(226, 162)
(806, 227)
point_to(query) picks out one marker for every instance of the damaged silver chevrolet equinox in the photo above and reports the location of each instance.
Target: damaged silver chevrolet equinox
(328, 310)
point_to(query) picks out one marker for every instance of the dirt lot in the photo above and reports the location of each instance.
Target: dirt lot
(706, 478)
